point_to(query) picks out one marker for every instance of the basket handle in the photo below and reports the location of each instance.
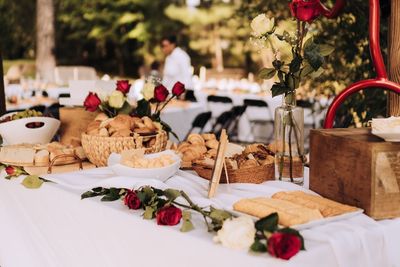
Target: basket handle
(65, 156)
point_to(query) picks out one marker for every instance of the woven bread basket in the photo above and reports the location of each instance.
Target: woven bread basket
(254, 175)
(99, 148)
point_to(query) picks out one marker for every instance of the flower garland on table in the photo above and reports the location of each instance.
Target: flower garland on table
(30, 181)
(117, 103)
(167, 207)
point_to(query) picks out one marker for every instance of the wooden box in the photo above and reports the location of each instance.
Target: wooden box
(354, 167)
(74, 121)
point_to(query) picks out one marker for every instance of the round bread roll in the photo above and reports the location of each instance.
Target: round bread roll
(195, 138)
(269, 160)
(201, 148)
(251, 163)
(191, 154)
(212, 153)
(208, 136)
(93, 128)
(42, 158)
(213, 143)
(101, 117)
(122, 133)
(182, 146)
(148, 123)
(121, 122)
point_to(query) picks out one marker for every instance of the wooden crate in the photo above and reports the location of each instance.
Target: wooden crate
(354, 167)
(74, 121)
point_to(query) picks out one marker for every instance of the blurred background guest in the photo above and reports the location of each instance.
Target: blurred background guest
(177, 65)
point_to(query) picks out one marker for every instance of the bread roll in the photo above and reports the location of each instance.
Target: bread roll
(101, 117)
(201, 148)
(289, 213)
(213, 143)
(327, 207)
(195, 138)
(212, 153)
(122, 133)
(148, 123)
(103, 132)
(250, 163)
(208, 136)
(93, 128)
(121, 122)
(42, 158)
(191, 154)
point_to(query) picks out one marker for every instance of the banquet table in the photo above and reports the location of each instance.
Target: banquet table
(52, 226)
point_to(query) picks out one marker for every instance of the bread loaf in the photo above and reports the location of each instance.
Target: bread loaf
(289, 213)
(327, 207)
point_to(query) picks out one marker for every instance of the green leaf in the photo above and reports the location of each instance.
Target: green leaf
(317, 73)
(309, 42)
(113, 194)
(143, 108)
(307, 70)
(125, 109)
(220, 215)
(148, 213)
(32, 182)
(187, 224)
(267, 73)
(269, 223)
(294, 66)
(293, 232)
(325, 50)
(172, 194)
(279, 89)
(258, 246)
(311, 53)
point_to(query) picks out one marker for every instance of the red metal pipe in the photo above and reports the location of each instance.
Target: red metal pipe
(356, 87)
(381, 82)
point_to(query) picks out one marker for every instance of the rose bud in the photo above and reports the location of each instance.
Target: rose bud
(123, 86)
(92, 102)
(306, 10)
(13, 171)
(116, 99)
(160, 93)
(283, 245)
(169, 215)
(131, 200)
(178, 89)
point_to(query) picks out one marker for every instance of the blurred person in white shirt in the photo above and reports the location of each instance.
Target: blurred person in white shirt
(177, 67)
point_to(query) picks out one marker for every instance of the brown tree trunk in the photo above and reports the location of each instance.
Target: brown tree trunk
(2, 93)
(45, 44)
(394, 56)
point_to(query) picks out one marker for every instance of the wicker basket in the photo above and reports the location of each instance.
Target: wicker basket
(98, 148)
(254, 175)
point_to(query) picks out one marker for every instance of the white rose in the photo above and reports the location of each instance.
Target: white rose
(148, 91)
(116, 99)
(237, 233)
(261, 25)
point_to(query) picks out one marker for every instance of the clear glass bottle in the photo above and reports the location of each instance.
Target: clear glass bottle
(289, 141)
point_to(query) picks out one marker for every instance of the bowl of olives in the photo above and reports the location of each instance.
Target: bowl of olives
(28, 126)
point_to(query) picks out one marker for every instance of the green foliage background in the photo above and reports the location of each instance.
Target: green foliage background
(118, 36)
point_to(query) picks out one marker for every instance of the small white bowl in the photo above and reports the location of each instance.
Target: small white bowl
(17, 132)
(161, 174)
(388, 137)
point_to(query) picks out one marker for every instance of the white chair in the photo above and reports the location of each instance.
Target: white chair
(64, 74)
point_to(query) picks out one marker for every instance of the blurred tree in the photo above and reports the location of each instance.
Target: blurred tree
(45, 39)
(17, 30)
(113, 36)
(213, 30)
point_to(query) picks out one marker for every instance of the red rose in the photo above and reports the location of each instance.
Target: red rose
(169, 215)
(160, 93)
(283, 245)
(92, 102)
(178, 89)
(132, 200)
(306, 10)
(123, 86)
(11, 170)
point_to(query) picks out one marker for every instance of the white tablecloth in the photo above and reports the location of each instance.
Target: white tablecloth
(51, 226)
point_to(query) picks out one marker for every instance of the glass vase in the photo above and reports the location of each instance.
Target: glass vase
(289, 141)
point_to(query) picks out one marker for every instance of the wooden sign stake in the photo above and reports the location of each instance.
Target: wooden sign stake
(218, 165)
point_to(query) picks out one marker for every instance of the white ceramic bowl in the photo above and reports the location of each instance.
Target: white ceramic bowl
(161, 174)
(388, 137)
(17, 132)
